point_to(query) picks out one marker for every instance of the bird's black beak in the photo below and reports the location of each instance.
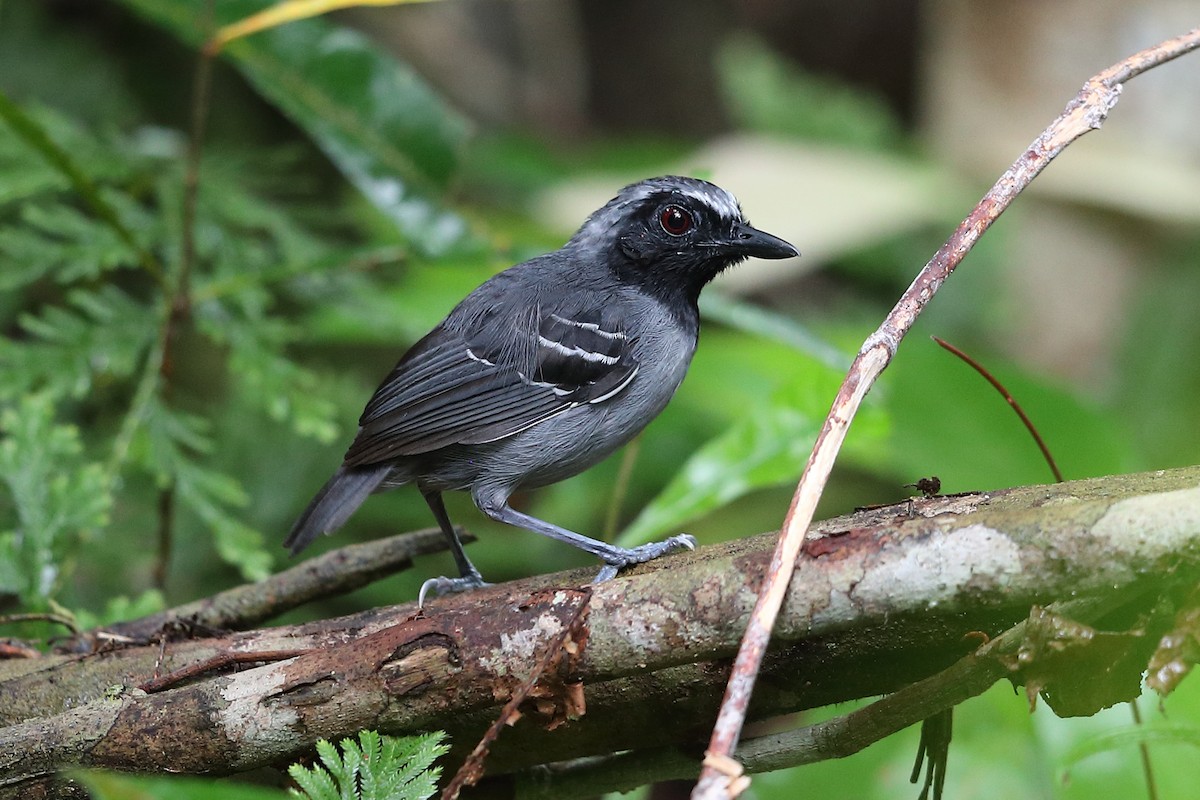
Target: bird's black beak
(749, 241)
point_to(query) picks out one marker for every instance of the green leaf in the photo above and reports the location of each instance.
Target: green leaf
(766, 446)
(1132, 736)
(756, 320)
(373, 768)
(117, 786)
(380, 124)
(58, 496)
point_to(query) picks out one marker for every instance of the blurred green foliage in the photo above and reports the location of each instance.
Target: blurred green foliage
(383, 127)
(171, 413)
(118, 786)
(763, 93)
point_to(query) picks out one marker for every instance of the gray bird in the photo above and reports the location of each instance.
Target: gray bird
(547, 368)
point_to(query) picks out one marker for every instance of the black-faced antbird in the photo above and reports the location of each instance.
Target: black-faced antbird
(547, 368)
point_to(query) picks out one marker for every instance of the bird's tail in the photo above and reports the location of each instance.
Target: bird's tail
(338, 499)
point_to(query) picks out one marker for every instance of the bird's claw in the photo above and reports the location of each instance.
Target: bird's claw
(606, 573)
(647, 552)
(442, 585)
(683, 541)
(642, 554)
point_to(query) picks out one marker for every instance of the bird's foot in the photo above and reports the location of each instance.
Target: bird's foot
(443, 585)
(621, 558)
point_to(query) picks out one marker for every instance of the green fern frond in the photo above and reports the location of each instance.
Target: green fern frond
(97, 336)
(375, 767)
(57, 494)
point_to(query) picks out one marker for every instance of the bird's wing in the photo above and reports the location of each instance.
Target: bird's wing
(505, 374)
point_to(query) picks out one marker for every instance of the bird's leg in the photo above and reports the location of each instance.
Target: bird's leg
(495, 505)
(469, 577)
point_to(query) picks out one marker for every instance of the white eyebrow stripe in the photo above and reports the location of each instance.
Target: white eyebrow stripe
(721, 201)
(577, 352)
(471, 355)
(589, 326)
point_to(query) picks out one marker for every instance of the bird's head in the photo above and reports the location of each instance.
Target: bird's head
(673, 235)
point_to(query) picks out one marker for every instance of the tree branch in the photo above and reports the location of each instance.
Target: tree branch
(877, 587)
(334, 573)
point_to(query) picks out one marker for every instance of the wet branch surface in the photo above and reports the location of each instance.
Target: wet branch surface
(883, 601)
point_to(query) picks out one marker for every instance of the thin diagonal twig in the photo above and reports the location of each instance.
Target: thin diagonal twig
(1012, 401)
(58, 619)
(1086, 112)
(217, 662)
(1144, 752)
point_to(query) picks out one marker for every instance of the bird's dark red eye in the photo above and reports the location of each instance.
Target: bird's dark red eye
(675, 220)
